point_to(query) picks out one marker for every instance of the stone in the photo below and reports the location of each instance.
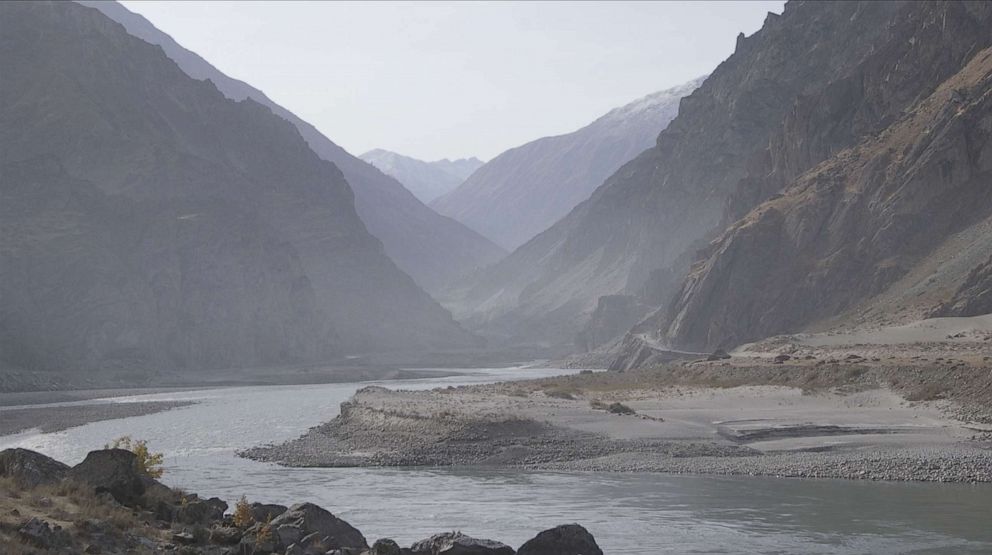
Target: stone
(111, 471)
(261, 512)
(200, 511)
(385, 546)
(310, 518)
(456, 543)
(29, 468)
(567, 539)
(225, 535)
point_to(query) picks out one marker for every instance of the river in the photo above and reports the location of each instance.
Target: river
(629, 514)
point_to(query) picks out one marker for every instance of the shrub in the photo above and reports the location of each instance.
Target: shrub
(149, 464)
(620, 408)
(559, 394)
(242, 513)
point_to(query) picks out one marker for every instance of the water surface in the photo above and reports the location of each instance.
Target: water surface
(630, 514)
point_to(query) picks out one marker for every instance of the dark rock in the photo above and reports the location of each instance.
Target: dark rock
(309, 518)
(39, 533)
(29, 468)
(112, 471)
(201, 511)
(456, 543)
(385, 546)
(225, 535)
(262, 512)
(93, 549)
(567, 539)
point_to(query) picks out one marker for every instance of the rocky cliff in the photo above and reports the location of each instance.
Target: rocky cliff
(151, 222)
(820, 78)
(426, 180)
(852, 226)
(431, 248)
(524, 190)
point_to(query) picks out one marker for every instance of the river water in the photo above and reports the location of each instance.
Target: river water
(629, 514)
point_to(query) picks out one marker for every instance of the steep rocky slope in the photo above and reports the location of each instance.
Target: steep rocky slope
(524, 190)
(431, 248)
(150, 222)
(856, 224)
(815, 80)
(426, 180)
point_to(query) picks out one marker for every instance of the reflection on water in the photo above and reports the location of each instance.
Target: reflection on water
(631, 514)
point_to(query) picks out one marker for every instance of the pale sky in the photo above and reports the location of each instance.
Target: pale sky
(455, 79)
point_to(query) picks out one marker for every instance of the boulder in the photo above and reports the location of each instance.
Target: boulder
(456, 543)
(385, 546)
(261, 512)
(29, 468)
(114, 471)
(225, 535)
(309, 518)
(567, 539)
(200, 511)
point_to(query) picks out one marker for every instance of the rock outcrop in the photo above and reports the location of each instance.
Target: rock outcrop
(431, 248)
(149, 222)
(113, 471)
(30, 468)
(456, 543)
(974, 297)
(567, 539)
(304, 519)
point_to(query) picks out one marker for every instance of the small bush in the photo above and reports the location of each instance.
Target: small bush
(620, 408)
(242, 513)
(265, 533)
(149, 464)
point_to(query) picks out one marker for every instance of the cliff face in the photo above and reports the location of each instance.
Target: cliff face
(426, 180)
(150, 222)
(851, 227)
(524, 190)
(431, 248)
(804, 87)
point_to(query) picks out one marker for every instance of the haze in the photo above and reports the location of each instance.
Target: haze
(443, 80)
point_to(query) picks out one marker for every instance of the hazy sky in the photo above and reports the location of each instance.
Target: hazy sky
(443, 80)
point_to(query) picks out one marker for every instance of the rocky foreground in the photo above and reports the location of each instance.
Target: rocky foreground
(105, 504)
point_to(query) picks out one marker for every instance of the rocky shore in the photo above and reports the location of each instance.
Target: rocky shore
(108, 504)
(827, 421)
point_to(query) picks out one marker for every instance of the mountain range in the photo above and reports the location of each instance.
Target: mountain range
(151, 222)
(429, 247)
(524, 190)
(426, 180)
(818, 166)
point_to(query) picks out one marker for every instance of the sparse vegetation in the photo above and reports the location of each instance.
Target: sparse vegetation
(242, 513)
(149, 464)
(620, 408)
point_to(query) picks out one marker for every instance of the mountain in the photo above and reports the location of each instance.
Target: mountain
(524, 190)
(431, 248)
(811, 84)
(149, 222)
(426, 180)
(854, 225)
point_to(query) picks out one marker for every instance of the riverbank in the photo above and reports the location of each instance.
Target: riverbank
(836, 420)
(109, 503)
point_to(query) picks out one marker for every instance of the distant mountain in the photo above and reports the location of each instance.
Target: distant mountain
(431, 248)
(784, 157)
(150, 223)
(524, 190)
(426, 180)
